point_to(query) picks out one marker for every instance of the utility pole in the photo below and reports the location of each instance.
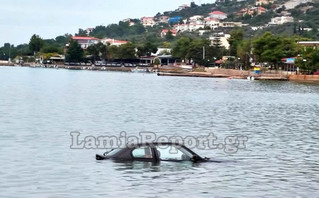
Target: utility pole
(204, 53)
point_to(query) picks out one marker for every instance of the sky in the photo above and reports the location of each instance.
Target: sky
(20, 19)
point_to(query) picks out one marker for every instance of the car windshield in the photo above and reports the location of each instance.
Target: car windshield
(112, 152)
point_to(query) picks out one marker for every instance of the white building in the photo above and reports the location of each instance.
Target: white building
(212, 23)
(218, 15)
(263, 2)
(85, 41)
(196, 18)
(184, 6)
(221, 38)
(281, 20)
(162, 51)
(110, 41)
(148, 21)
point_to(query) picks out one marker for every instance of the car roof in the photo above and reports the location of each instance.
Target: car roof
(156, 143)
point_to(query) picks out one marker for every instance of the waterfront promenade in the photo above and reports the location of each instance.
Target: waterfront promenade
(205, 73)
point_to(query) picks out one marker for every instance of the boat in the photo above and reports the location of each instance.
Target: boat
(139, 70)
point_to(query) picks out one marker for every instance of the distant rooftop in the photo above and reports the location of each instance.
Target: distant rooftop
(83, 38)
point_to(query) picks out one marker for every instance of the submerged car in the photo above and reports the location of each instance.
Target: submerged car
(154, 152)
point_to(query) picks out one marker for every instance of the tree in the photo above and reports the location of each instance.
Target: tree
(75, 53)
(169, 36)
(93, 51)
(268, 48)
(147, 49)
(35, 44)
(62, 40)
(82, 33)
(243, 51)
(102, 50)
(181, 49)
(197, 49)
(193, 5)
(308, 62)
(127, 51)
(236, 38)
(157, 62)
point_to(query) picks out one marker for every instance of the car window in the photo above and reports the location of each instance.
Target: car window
(142, 152)
(170, 152)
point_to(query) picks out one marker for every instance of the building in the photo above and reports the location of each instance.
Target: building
(218, 15)
(181, 27)
(129, 21)
(252, 11)
(281, 20)
(163, 19)
(220, 39)
(175, 19)
(231, 24)
(148, 21)
(263, 2)
(114, 42)
(196, 18)
(89, 30)
(85, 41)
(184, 6)
(165, 31)
(196, 26)
(305, 44)
(162, 51)
(212, 23)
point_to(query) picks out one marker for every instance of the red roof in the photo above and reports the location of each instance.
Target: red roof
(166, 30)
(217, 13)
(118, 41)
(83, 38)
(212, 19)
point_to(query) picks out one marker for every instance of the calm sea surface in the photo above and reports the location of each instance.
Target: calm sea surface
(40, 107)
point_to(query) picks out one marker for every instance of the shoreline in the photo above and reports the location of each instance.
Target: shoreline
(179, 72)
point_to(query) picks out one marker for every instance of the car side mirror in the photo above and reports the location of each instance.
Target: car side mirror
(195, 158)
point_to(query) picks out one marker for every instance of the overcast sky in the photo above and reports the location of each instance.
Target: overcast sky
(20, 19)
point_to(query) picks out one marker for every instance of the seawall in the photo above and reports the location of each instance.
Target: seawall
(304, 78)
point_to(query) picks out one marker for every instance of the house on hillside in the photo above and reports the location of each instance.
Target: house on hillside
(165, 31)
(129, 21)
(184, 6)
(175, 19)
(196, 26)
(251, 11)
(181, 27)
(163, 19)
(231, 24)
(218, 15)
(148, 21)
(89, 30)
(114, 42)
(196, 18)
(263, 2)
(212, 23)
(281, 20)
(85, 41)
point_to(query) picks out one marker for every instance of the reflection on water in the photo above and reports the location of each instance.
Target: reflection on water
(40, 107)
